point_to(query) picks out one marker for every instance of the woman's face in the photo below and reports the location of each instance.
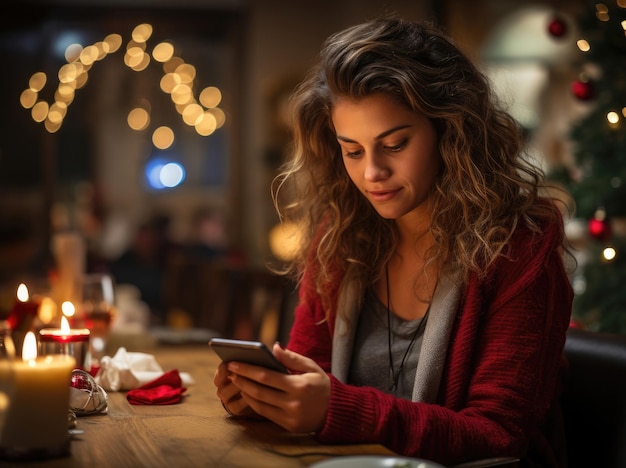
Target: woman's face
(389, 152)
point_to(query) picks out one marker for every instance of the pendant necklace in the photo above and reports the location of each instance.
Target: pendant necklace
(395, 376)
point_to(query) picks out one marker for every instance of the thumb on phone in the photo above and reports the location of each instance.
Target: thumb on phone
(293, 361)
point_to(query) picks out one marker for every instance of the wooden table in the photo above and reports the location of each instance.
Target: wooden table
(194, 433)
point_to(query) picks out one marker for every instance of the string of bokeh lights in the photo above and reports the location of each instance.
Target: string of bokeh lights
(201, 112)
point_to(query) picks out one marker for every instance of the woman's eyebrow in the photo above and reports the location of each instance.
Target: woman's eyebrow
(378, 137)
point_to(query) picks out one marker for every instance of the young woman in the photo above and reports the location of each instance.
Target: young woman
(433, 300)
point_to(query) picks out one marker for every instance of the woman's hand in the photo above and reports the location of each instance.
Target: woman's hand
(298, 402)
(230, 395)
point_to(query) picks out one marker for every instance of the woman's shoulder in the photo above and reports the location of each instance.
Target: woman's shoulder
(542, 228)
(533, 246)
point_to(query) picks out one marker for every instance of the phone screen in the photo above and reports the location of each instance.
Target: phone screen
(251, 352)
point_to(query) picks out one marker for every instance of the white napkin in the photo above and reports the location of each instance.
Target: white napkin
(126, 371)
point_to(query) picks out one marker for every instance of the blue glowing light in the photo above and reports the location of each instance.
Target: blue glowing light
(162, 174)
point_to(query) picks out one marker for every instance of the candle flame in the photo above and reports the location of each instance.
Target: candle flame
(29, 350)
(22, 293)
(68, 309)
(65, 326)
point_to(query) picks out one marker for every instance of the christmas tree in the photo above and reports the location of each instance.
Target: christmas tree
(598, 183)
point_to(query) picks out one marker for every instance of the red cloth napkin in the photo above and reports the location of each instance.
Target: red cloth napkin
(165, 390)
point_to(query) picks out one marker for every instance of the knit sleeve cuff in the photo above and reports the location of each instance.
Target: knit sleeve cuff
(351, 416)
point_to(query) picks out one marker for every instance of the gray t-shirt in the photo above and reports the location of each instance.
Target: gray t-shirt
(370, 358)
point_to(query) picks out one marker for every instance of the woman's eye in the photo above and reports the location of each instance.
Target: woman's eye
(397, 147)
(352, 154)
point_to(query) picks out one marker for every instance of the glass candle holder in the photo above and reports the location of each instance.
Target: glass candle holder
(73, 342)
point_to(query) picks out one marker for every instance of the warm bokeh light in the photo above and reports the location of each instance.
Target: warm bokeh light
(72, 52)
(186, 72)
(284, 240)
(40, 111)
(163, 52)
(191, 113)
(178, 81)
(609, 254)
(138, 119)
(28, 98)
(81, 80)
(102, 50)
(65, 92)
(47, 310)
(210, 96)
(89, 55)
(69, 72)
(182, 94)
(142, 32)
(134, 56)
(220, 116)
(37, 81)
(51, 127)
(143, 63)
(206, 124)
(57, 112)
(602, 12)
(612, 117)
(169, 81)
(583, 45)
(114, 42)
(172, 64)
(68, 309)
(163, 137)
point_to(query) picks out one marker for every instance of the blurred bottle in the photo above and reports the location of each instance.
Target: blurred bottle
(7, 347)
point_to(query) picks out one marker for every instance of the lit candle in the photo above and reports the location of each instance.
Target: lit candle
(65, 340)
(36, 419)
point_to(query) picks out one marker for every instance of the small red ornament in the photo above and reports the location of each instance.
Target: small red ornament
(573, 323)
(557, 27)
(600, 227)
(583, 89)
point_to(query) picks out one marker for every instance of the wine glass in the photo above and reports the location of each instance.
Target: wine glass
(98, 310)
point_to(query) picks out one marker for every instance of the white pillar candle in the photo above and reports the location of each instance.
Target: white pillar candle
(38, 389)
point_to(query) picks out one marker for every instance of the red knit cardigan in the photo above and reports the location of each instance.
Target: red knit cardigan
(501, 375)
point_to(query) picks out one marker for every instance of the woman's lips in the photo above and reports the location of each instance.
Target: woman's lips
(383, 195)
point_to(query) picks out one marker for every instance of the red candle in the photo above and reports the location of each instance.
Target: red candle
(68, 341)
(24, 311)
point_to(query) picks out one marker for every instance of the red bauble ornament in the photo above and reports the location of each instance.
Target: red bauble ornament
(583, 90)
(600, 229)
(557, 27)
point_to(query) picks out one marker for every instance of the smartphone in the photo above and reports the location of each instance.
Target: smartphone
(251, 352)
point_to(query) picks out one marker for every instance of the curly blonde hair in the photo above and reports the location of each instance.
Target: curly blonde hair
(486, 187)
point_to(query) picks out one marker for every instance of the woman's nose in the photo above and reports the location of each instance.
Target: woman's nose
(375, 169)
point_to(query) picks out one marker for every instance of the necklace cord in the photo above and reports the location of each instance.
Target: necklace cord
(395, 376)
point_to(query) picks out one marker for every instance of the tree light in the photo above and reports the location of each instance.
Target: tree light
(609, 254)
(612, 117)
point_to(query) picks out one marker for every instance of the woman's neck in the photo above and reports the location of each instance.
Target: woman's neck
(411, 278)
